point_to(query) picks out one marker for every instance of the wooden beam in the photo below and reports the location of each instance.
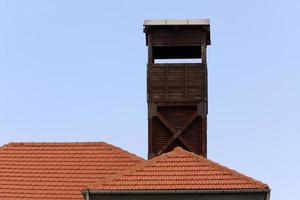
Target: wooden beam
(203, 138)
(150, 50)
(152, 110)
(185, 81)
(176, 134)
(201, 109)
(150, 139)
(203, 47)
(186, 144)
(165, 122)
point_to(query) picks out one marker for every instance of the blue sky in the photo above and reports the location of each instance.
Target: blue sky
(76, 71)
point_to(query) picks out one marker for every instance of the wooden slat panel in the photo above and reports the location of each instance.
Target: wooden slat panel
(160, 135)
(192, 135)
(176, 82)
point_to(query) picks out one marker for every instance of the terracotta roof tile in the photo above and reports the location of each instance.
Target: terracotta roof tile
(178, 170)
(57, 170)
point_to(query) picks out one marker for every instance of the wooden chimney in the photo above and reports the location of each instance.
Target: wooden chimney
(177, 87)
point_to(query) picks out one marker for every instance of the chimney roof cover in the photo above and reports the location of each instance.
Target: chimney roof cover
(172, 22)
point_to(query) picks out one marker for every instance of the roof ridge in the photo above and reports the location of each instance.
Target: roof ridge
(3, 147)
(52, 143)
(215, 164)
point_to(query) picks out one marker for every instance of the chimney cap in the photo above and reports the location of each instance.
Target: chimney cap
(189, 25)
(176, 22)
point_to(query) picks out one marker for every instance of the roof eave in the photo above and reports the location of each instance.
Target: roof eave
(94, 191)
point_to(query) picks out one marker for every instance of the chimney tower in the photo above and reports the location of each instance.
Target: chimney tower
(177, 87)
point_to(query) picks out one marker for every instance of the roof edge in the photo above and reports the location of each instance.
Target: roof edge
(93, 191)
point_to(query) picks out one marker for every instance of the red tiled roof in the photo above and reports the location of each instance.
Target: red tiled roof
(178, 170)
(57, 170)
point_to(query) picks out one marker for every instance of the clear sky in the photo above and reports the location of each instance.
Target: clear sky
(76, 71)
